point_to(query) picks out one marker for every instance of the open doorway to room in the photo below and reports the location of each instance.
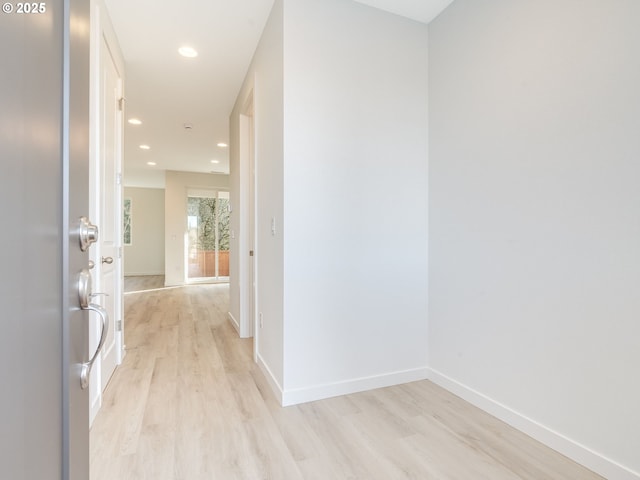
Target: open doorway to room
(207, 236)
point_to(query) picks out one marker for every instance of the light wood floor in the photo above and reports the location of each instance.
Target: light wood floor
(188, 403)
(139, 283)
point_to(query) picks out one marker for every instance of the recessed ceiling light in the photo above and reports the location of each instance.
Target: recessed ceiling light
(145, 147)
(152, 163)
(215, 161)
(222, 145)
(135, 121)
(187, 52)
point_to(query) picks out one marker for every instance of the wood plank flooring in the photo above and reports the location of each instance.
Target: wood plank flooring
(189, 403)
(137, 283)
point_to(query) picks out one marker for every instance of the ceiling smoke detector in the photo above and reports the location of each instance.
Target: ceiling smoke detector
(188, 126)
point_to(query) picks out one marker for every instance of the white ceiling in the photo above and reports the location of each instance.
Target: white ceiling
(421, 10)
(166, 90)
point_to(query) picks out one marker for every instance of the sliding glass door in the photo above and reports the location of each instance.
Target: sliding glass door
(208, 235)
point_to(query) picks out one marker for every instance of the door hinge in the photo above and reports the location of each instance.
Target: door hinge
(119, 179)
(121, 104)
(119, 326)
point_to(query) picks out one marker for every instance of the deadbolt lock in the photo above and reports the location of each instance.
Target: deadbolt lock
(88, 233)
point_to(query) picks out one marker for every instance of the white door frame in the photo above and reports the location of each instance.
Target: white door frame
(248, 242)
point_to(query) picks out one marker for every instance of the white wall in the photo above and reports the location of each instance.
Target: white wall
(144, 178)
(176, 185)
(264, 79)
(354, 226)
(145, 256)
(534, 218)
(355, 192)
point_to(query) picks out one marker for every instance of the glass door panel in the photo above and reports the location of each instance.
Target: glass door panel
(208, 236)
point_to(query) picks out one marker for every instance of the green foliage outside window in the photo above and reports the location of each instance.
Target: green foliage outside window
(206, 210)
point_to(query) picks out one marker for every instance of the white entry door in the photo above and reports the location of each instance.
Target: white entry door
(107, 204)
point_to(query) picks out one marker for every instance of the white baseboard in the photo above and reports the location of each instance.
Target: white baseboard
(234, 322)
(143, 274)
(271, 379)
(575, 451)
(318, 392)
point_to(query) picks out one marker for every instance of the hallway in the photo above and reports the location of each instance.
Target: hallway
(189, 403)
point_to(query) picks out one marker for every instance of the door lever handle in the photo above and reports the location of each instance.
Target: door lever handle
(84, 298)
(85, 373)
